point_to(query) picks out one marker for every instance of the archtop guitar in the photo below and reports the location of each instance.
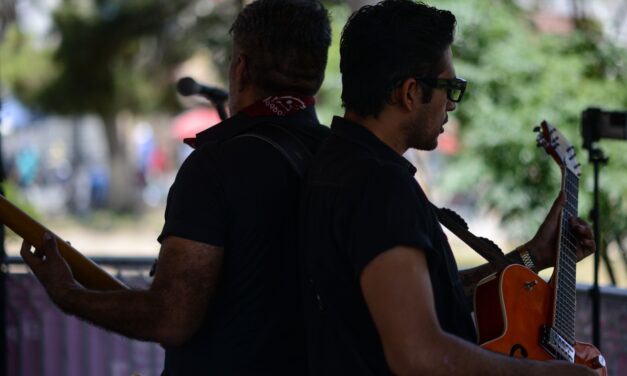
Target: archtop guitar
(520, 314)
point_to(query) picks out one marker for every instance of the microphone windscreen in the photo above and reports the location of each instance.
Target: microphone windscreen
(187, 86)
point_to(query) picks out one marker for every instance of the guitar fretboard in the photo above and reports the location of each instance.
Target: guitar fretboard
(565, 268)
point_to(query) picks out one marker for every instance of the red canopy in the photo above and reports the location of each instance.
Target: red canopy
(189, 123)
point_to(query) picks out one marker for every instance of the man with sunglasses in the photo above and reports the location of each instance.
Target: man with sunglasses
(383, 294)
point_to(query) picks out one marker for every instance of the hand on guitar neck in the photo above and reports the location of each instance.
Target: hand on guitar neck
(543, 245)
(50, 268)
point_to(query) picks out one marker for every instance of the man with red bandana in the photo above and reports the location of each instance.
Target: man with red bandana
(225, 299)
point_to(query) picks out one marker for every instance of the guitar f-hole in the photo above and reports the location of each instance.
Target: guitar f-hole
(518, 348)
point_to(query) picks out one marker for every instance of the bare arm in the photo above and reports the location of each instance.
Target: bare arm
(169, 312)
(397, 290)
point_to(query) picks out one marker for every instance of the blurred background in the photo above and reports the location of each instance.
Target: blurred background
(91, 126)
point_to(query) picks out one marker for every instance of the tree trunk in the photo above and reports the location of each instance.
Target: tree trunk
(123, 193)
(7, 15)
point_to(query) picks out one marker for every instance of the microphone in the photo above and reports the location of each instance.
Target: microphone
(187, 86)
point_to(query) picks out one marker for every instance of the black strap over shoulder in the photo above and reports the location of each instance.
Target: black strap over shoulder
(294, 151)
(484, 247)
(297, 154)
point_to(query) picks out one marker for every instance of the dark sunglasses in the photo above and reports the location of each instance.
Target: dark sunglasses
(455, 87)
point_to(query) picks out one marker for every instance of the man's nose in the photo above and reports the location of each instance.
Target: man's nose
(450, 105)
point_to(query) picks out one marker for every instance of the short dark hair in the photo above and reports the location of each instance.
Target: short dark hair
(384, 44)
(286, 42)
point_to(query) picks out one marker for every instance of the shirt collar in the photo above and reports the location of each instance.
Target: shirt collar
(356, 133)
(241, 122)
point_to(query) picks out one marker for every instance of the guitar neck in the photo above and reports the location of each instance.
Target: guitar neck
(565, 267)
(85, 271)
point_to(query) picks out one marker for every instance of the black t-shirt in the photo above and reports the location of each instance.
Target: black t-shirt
(360, 198)
(240, 193)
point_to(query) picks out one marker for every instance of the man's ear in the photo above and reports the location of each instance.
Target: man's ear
(409, 94)
(241, 72)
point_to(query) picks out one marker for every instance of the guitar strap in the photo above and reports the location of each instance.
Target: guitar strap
(292, 149)
(484, 247)
(298, 156)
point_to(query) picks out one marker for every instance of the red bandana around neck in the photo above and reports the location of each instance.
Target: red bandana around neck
(271, 106)
(279, 106)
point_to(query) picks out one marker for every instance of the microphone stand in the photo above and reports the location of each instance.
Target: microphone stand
(220, 107)
(597, 158)
(4, 272)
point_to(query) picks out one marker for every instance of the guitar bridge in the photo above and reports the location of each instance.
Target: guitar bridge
(556, 345)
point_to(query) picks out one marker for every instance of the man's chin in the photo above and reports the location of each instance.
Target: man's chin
(425, 147)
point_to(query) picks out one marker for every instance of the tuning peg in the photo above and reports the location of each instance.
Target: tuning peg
(536, 129)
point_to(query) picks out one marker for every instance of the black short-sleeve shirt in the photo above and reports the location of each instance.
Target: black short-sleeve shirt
(240, 193)
(359, 200)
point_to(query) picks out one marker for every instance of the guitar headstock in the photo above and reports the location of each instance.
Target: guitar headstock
(558, 147)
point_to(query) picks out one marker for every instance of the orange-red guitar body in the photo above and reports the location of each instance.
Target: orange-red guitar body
(512, 308)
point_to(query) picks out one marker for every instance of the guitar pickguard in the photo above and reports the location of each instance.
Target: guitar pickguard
(524, 308)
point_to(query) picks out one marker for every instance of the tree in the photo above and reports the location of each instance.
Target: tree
(116, 57)
(518, 77)
(112, 57)
(7, 15)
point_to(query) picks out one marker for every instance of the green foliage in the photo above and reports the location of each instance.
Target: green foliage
(215, 35)
(12, 193)
(118, 55)
(518, 77)
(329, 101)
(114, 55)
(24, 68)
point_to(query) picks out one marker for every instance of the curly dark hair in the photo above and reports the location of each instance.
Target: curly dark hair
(286, 42)
(384, 44)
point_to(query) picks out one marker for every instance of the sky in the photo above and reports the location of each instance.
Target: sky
(34, 15)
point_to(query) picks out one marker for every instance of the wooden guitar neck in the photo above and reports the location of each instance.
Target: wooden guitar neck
(86, 272)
